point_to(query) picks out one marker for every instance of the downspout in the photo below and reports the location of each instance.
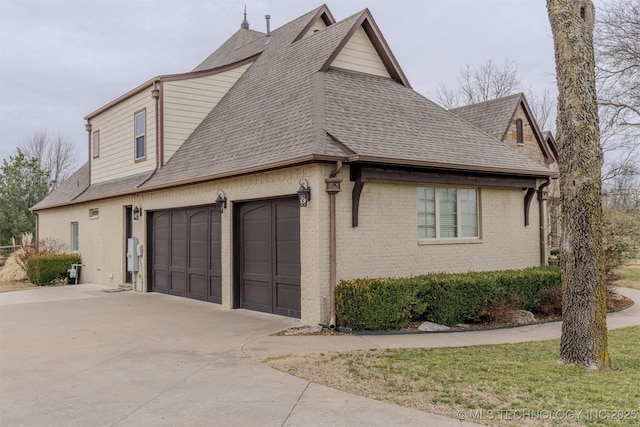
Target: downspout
(37, 229)
(333, 188)
(156, 94)
(542, 203)
(88, 126)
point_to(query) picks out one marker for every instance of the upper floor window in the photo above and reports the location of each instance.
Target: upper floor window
(519, 131)
(140, 135)
(446, 213)
(94, 213)
(96, 144)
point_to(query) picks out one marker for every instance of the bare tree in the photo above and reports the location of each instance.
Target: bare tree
(490, 82)
(617, 48)
(543, 109)
(584, 338)
(56, 155)
(487, 82)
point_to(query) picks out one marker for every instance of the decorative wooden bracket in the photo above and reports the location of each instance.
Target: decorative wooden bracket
(356, 175)
(527, 204)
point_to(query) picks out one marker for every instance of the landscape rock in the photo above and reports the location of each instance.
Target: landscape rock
(521, 317)
(303, 330)
(431, 327)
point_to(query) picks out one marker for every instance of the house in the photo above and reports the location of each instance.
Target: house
(510, 120)
(283, 163)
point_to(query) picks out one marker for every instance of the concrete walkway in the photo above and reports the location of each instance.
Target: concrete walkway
(84, 356)
(267, 346)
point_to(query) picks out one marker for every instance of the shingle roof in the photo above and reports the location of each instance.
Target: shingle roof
(491, 116)
(243, 44)
(71, 188)
(377, 117)
(272, 114)
(285, 110)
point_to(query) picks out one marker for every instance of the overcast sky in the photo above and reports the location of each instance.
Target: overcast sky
(62, 59)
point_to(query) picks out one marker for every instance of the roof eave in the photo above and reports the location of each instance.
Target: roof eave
(211, 177)
(358, 158)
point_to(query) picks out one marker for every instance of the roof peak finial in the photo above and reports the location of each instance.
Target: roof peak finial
(245, 23)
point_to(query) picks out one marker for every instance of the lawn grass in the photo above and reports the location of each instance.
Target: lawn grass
(630, 275)
(501, 380)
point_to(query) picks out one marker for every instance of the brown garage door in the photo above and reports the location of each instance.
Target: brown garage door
(268, 256)
(186, 253)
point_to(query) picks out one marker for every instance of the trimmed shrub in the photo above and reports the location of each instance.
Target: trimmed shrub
(378, 304)
(45, 269)
(448, 299)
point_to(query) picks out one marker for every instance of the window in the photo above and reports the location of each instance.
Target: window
(447, 213)
(140, 131)
(96, 144)
(519, 132)
(75, 234)
(94, 213)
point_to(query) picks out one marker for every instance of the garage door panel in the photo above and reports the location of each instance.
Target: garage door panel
(186, 253)
(178, 283)
(269, 234)
(215, 290)
(257, 295)
(197, 286)
(287, 300)
(161, 283)
(257, 251)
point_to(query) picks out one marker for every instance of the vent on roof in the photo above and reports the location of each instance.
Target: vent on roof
(268, 18)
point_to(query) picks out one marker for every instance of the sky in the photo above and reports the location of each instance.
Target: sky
(63, 59)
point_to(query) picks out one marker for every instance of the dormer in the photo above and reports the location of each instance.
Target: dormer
(365, 50)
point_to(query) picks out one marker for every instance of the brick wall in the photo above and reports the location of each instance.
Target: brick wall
(384, 244)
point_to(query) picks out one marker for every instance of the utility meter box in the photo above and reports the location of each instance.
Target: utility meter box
(133, 263)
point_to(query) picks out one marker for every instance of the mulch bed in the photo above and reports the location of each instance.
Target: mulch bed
(615, 302)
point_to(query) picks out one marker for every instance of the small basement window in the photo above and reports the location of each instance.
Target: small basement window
(94, 213)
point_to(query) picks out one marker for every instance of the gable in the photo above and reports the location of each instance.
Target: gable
(529, 144)
(315, 27)
(359, 54)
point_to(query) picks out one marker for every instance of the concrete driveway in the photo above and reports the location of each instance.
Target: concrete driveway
(83, 356)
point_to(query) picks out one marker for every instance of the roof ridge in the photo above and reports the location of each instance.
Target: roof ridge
(502, 98)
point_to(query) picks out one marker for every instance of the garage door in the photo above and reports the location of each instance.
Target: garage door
(268, 256)
(186, 253)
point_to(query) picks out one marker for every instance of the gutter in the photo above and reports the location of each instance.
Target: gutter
(173, 184)
(543, 173)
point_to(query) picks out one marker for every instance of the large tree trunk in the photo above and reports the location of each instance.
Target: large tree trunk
(584, 315)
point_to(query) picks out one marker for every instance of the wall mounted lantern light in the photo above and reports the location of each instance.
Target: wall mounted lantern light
(304, 192)
(136, 212)
(221, 201)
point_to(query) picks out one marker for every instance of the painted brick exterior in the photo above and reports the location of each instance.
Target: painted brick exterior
(384, 244)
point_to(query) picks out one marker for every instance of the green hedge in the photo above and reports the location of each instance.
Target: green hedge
(44, 269)
(448, 299)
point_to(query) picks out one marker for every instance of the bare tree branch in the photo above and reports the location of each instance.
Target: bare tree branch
(57, 156)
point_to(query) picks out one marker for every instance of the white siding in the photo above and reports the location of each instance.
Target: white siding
(187, 103)
(317, 26)
(360, 55)
(117, 143)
